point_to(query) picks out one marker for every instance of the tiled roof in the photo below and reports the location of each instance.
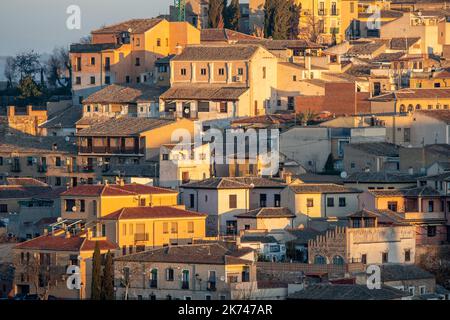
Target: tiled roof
(217, 53)
(136, 170)
(92, 47)
(383, 149)
(215, 34)
(198, 253)
(267, 119)
(364, 48)
(114, 190)
(442, 115)
(116, 93)
(22, 192)
(403, 272)
(269, 212)
(318, 178)
(302, 236)
(133, 25)
(61, 243)
(410, 93)
(26, 182)
(383, 14)
(387, 193)
(262, 238)
(235, 183)
(19, 143)
(321, 188)
(437, 177)
(124, 126)
(402, 43)
(203, 92)
(362, 214)
(64, 119)
(388, 57)
(151, 213)
(424, 191)
(441, 149)
(271, 44)
(347, 292)
(384, 177)
(88, 121)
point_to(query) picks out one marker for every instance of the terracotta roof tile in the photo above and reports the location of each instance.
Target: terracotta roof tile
(117, 93)
(322, 188)
(151, 213)
(114, 190)
(134, 25)
(61, 243)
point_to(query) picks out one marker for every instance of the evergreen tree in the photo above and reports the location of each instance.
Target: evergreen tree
(281, 20)
(232, 15)
(96, 283)
(108, 278)
(29, 89)
(215, 13)
(269, 12)
(295, 11)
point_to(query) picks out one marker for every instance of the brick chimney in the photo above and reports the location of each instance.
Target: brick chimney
(11, 111)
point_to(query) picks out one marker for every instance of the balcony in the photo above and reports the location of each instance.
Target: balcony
(141, 237)
(111, 150)
(334, 12)
(322, 12)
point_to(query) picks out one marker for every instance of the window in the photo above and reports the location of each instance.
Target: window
(393, 206)
(1, 161)
(138, 79)
(3, 207)
(190, 227)
(107, 80)
(93, 61)
(137, 41)
(264, 72)
(221, 71)
(82, 206)
(127, 79)
(165, 156)
(412, 290)
(342, 202)
(223, 107)
(277, 200)
(422, 290)
(165, 227)
(338, 260)
(169, 274)
(57, 181)
(78, 80)
(364, 258)
(191, 200)
(294, 78)
(240, 71)
(330, 202)
(310, 202)
(203, 71)
(203, 106)
(263, 200)
(92, 80)
(431, 231)
(29, 161)
(58, 161)
(407, 255)
(185, 279)
(124, 229)
(154, 278)
(232, 201)
(385, 257)
(70, 204)
(183, 71)
(431, 206)
(174, 227)
(138, 62)
(158, 42)
(318, 259)
(142, 202)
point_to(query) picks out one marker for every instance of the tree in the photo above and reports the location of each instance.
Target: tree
(215, 14)
(29, 89)
(108, 278)
(281, 20)
(311, 31)
(232, 15)
(10, 71)
(295, 12)
(96, 284)
(59, 68)
(27, 64)
(269, 12)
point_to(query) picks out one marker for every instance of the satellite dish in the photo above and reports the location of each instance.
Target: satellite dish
(186, 110)
(344, 174)
(74, 209)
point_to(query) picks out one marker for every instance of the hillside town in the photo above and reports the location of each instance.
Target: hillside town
(266, 150)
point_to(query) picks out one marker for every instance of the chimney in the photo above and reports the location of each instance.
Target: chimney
(29, 110)
(45, 232)
(67, 234)
(288, 178)
(178, 49)
(11, 111)
(121, 182)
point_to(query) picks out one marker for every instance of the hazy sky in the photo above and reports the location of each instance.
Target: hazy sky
(41, 24)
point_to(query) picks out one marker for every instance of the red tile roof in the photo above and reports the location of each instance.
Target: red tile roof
(151, 213)
(61, 243)
(114, 190)
(25, 182)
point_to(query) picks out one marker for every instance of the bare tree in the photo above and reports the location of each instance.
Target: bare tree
(42, 274)
(59, 68)
(310, 29)
(258, 31)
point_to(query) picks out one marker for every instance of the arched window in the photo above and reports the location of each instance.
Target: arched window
(154, 278)
(418, 107)
(410, 108)
(185, 279)
(338, 260)
(402, 108)
(320, 260)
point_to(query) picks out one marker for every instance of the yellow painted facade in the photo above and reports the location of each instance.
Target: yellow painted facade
(152, 232)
